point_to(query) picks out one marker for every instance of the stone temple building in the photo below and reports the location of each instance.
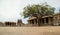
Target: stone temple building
(45, 20)
(8, 23)
(19, 22)
(1, 24)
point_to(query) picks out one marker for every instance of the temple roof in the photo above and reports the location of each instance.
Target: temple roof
(47, 16)
(31, 18)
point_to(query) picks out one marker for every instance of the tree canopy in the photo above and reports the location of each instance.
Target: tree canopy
(38, 10)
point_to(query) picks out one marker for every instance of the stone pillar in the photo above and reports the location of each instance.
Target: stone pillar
(49, 20)
(45, 21)
(32, 22)
(37, 21)
(41, 21)
(29, 22)
(38, 24)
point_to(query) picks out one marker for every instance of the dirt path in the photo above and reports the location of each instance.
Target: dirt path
(55, 30)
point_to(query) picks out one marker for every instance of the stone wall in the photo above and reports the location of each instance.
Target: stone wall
(1, 24)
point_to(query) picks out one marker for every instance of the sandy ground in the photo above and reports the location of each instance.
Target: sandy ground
(48, 30)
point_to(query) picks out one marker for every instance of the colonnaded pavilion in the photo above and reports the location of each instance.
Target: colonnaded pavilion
(45, 20)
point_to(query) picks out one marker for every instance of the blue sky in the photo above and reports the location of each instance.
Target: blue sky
(10, 9)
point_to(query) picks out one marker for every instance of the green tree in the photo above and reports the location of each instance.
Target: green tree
(38, 10)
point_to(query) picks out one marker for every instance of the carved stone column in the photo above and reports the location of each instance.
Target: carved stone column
(31, 22)
(45, 21)
(34, 21)
(49, 20)
(37, 21)
(28, 21)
